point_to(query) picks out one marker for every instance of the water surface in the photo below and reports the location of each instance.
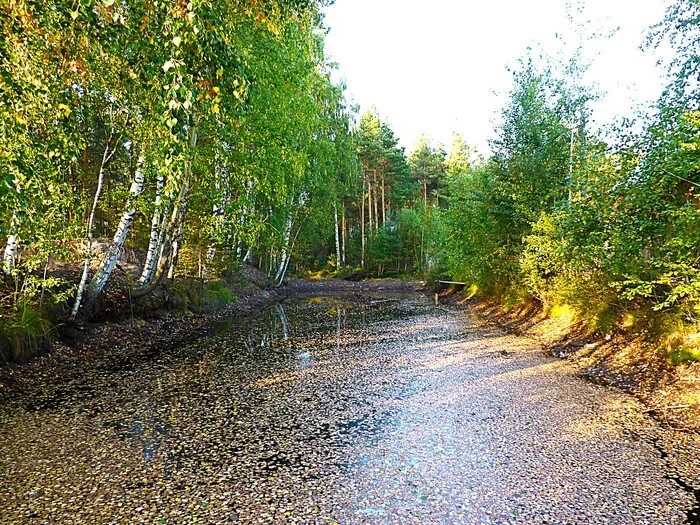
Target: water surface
(322, 411)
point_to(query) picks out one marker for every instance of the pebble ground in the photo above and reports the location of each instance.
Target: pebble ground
(323, 411)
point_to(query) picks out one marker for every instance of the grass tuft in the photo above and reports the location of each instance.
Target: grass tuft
(24, 330)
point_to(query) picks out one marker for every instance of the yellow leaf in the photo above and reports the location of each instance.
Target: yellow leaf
(176, 41)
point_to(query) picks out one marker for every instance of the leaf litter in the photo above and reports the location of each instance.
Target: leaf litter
(331, 411)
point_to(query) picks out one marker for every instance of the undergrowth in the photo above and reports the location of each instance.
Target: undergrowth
(674, 331)
(25, 329)
(195, 297)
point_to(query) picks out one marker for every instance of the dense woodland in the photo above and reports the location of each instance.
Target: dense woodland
(190, 138)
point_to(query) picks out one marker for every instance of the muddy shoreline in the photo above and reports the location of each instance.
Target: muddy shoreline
(82, 347)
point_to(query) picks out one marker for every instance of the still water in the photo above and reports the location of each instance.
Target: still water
(329, 411)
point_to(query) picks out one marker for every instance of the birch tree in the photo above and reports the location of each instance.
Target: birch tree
(99, 280)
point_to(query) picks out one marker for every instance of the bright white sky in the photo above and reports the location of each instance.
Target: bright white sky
(439, 66)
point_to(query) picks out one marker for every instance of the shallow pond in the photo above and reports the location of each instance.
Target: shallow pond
(322, 411)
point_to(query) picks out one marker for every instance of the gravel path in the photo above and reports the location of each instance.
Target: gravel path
(342, 412)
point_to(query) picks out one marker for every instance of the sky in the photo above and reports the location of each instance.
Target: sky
(441, 66)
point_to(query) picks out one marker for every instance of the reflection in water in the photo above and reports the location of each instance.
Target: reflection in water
(265, 331)
(320, 412)
(283, 320)
(277, 402)
(274, 332)
(337, 330)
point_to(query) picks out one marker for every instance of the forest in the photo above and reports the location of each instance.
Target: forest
(151, 144)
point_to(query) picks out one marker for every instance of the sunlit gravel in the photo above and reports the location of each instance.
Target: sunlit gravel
(325, 411)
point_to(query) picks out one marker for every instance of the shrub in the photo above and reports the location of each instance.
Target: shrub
(24, 330)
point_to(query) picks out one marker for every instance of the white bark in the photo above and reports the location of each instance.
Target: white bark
(287, 249)
(362, 229)
(154, 242)
(338, 261)
(337, 330)
(11, 246)
(177, 241)
(10, 254)
(283, 259)
(211, 253)
(245, 213)
(283, 320)
(289, 257)
(101, 277)
(217, 211)
(344, 233)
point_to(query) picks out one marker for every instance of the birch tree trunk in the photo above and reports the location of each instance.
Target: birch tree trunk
(248, 257)
(344, 233)
(362, 230)
(165, 259)
(10, 252)
(338, 261)
(171, 229)
(11, 246)
(102, 275)
(106, 156)
(289, 258)
(218, 211)
(283, 258)
(177, 243)
(155, 239)
(178, 238)
(288, 248)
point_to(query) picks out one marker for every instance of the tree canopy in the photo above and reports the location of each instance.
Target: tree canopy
(183, 140)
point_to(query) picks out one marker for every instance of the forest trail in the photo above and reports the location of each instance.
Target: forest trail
(377, 410)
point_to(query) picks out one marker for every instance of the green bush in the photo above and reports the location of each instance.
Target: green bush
(24, 330)
(186, 296)
(217, 294)
(684, 356)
